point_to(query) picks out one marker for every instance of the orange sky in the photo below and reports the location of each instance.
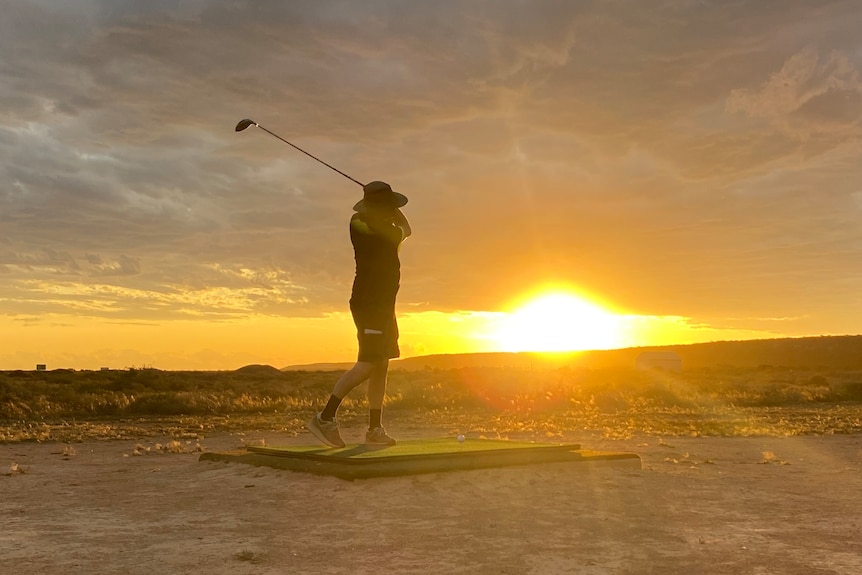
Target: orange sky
(694, 168)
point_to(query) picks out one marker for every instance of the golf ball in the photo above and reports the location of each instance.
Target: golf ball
(461, 438)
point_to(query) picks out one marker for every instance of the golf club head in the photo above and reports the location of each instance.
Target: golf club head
(243, 124)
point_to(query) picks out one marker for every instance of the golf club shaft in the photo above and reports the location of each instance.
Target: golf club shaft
(309, 155)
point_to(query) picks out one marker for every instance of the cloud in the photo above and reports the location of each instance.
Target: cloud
(45, 260)
(811, 93)
(123, 266)
(677, 157)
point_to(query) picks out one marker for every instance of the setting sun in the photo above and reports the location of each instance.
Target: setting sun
(559, 322)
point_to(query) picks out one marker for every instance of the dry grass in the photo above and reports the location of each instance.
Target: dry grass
(74, 406)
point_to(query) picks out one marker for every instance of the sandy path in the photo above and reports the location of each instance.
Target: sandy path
(699, 505)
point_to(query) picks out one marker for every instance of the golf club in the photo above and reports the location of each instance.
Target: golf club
(243, 124)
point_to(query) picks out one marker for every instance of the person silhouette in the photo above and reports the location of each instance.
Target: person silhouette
(377, 230)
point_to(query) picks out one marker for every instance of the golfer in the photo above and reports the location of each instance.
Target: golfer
(376, 231)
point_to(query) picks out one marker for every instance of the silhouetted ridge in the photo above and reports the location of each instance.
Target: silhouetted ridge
(258, 369)
(834, 352)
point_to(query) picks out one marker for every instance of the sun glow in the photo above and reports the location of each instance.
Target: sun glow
(560, 321)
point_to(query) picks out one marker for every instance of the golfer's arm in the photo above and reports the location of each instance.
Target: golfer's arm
(401, 222)
(368, 224)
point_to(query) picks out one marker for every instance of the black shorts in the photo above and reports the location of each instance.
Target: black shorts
(376, 343)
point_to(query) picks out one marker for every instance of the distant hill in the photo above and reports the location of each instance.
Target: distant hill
(319, 367)
(258, 370)
(829, 352)
(833, 352)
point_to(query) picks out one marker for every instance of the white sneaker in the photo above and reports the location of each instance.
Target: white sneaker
(378, 436)
(325, 431)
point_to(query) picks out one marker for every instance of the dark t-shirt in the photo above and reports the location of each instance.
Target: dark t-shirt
(378, 271)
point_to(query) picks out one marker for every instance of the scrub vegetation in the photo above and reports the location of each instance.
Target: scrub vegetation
(66, 405)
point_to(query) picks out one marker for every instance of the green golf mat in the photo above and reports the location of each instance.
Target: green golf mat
(415, 456)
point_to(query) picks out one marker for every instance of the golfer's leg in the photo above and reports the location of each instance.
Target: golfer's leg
(351, 378)
(377, 384)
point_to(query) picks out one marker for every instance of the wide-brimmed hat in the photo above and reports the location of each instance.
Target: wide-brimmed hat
(380, 195)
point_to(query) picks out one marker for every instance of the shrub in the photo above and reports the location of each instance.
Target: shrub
(847, 391)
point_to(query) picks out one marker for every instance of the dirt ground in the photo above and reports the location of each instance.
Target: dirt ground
(698, 505)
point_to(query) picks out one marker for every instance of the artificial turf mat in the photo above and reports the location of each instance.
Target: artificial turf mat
(415, 456)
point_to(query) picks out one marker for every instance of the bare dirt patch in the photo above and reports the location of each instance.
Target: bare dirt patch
(739, 505)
